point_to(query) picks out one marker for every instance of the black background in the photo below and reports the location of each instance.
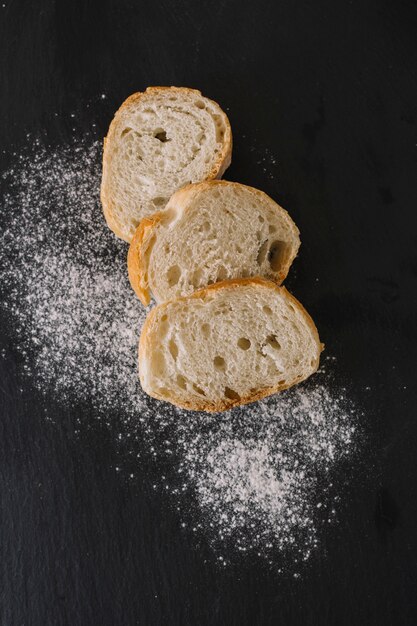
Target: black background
(330, 89)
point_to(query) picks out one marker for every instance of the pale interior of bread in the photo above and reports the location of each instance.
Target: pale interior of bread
(161, 142)
(227, 346)
(224, 231)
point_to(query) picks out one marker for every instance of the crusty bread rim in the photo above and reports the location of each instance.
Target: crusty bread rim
(137, 258)
(220, 165)
(215, 407)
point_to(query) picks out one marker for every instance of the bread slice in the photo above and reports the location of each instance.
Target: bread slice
(209, 232)
(159, 141)
(229, 344)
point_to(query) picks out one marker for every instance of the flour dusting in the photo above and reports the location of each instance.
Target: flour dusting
(260, 477)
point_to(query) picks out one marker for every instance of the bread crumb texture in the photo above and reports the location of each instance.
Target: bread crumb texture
(159, 141)
(210, 232)
(232, 343)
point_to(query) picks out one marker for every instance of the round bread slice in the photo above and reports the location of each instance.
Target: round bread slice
(209, 232)
(229, 344)
(159, 141)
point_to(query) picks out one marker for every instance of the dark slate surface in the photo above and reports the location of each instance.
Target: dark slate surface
(330, 88)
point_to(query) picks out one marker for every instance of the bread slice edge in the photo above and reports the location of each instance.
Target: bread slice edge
(222, 162)
(138, 254)
(224, 405)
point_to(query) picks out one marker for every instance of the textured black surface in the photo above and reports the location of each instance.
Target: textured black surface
(330, 88)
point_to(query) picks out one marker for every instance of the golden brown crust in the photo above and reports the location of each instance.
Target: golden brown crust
(137, 261)
(215, 407)
(220, 165)
(225, 406)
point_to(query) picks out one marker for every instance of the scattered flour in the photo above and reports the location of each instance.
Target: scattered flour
(260, 477)
(64, 279)
(264, 475)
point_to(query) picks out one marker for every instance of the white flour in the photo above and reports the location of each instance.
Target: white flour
(259, 477)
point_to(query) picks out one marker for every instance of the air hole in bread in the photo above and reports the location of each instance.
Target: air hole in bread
(281, 382)
(196, 278)
(263, 249)
(181, 381)
(173, 348)
(267, 309)
(167, 248)
(159, 201)
(219, 129)
(205, 329)
(231, 394)
(173, 275)
(125, 131)
(272, 229)
(163, 329)
(200, 104)
(238, 249)
(295, 327)
(219, 363)
(158, 362)
(161, 135)
(164, 391)
(222, 309)
(261, 219)
(243, 343)
(272, 341)
(164, 318)
(276, 255)
(206, 226)
(221, 273)
(199, 390)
